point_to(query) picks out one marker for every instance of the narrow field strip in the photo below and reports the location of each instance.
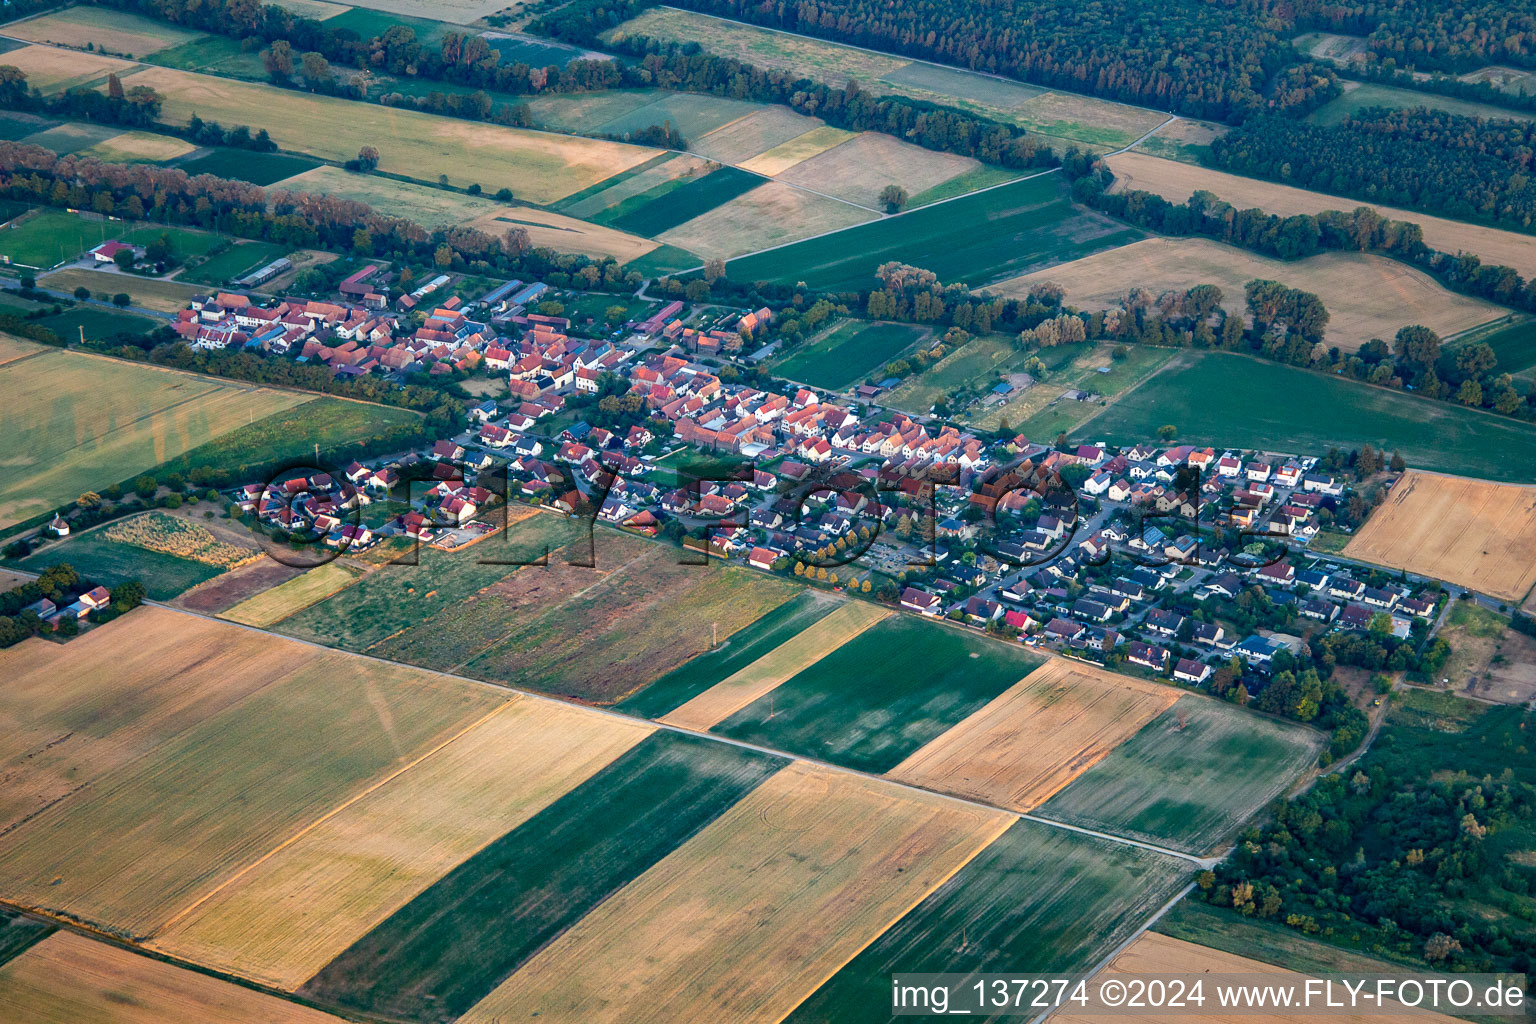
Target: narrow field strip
(292, 596)
(753, 913)
(1034, 739)
(288, 916)
(730, 695)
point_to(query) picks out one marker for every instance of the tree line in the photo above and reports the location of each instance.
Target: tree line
(1469, 168)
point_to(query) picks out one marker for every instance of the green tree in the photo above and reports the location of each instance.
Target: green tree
(893, 197)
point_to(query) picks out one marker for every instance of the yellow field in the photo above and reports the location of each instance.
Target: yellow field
(750, 916)
(769, 215)
(802, 147)
(427, 206)
(1154, 955)
(78, 422)
(142, 146)
(735, 692)
(858, 169)
(566, 234)
(295, 595)
(537, 167)
(198, 765)
(1177, 181)
(1473, 533)
(102, 28)
(12, 348)
(52, 70)
(1037, 736)
(162, 296)
(292, 913)
(748, 137)
(69, 979)
(1366, 296)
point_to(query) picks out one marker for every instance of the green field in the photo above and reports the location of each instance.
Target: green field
(663, 260)
(1041, 411)
(1242, 402)
(221, 55)
(398, 597)
(243, 165)
(1370, 94)
(739, 650)
(238, 259)
(1037, 899)
(111, 562)
(538, 53)
(368, 24)
(985, 176)
(72, 137)
(670, 204)
(845, 354)
(450, 946)
(972, 363)
(691, 114)
(19, 934)
(885, 693)
(98, 323)
(975, 239)
(49, 236)
(1189, 777)
(1514, 344)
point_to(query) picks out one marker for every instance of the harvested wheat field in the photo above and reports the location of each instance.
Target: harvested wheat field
(536, 166)
(101, 28)
(735, 692)
(802, 147)
(292, 595)
(1177, 181)
(51, 70)
(1154, 955)
(1366, 296)
(565, 234)
(1474, 533)
(131, 147)
(751, 915)
(858, 169)
(293, 912)
(1037, 736)
(69, 979)
(747, 137)
(13, 348)
(195, 747)
(769, 215)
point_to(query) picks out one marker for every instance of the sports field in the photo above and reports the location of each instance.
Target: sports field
(290, 914)
(1190, 777)
(1176, 181)
(1069, 117)
(101, 28)
(140, 147)
(771, 214)
(78, 422)
(538, 167)
(857, 170)
(1474, 533)
(748, 917)
(1037, 737)
(847, 353)
(70, 979)
(1220, 398)
(146, 839)
(1366, 296)
(146, 292)
(52, 71)
(463, 936)
(1037, 899)
(733, 654)
(293, 595)
(875, 700)
(45, 237)
(976, 239)
(757, 134)
(792, 657)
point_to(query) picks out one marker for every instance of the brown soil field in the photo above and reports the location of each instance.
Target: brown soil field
(769, 215)
(1504, 665)
(858, 169)
(1472, 533)
(10, 580)
(565, 234)
(52, 70)
(69, 979)
(1154, 955)
(735, 692)
(1037, 736)
(802, 147)
(747, 137)
(229, 589)
(1176, 181)
(750, 916)
(1366, 296)
(170, 784)
(291, 913)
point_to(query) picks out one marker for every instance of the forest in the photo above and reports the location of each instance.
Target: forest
(1462, 167)
(1431, 35)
